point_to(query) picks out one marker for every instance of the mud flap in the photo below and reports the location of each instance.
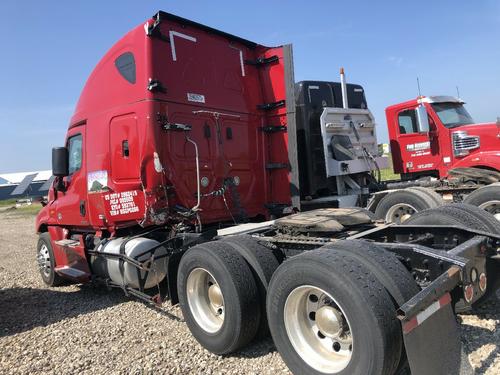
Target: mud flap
(432, 342)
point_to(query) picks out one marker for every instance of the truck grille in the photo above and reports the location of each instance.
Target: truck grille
(464, 142)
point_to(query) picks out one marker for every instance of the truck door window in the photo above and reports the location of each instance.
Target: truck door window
(75, 153)
(407, 122)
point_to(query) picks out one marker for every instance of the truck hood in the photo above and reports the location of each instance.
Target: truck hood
(489, 134)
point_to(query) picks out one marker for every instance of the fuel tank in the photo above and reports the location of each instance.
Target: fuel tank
(128, 274)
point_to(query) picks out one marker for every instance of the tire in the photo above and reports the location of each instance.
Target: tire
(361, 299)
(457, 214)
(46, 261)
(220, 328)
(438, 199)
(384, 265)
(396, 205)
(487, 198)
(468, 216)
(391, 273)
(263, 263)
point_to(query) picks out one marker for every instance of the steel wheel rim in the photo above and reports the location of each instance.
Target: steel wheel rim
(318, 347)
(205, 300)
(44, 260)
(493, 207)
(399, 213)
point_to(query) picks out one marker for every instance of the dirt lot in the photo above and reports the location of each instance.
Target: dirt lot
(81, 329)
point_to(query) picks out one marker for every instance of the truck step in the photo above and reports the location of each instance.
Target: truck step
(67, 243)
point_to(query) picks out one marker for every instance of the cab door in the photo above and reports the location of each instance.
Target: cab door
(416, 148)
(72, 203)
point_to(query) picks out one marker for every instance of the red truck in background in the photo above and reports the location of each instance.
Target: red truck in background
(186, 139)
(438, 149)
(452, 140)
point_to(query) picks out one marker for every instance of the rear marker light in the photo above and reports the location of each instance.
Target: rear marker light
(468, 293)
(483, 282)
(473, 275)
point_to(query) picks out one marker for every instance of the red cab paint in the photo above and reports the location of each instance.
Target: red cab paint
(137, 167)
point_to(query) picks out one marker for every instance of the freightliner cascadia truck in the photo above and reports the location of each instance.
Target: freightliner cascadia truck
(179, 181)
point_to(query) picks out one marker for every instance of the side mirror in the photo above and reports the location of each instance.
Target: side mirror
(422, 119)
(60, 162)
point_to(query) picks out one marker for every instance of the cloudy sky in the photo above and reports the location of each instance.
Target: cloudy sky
(48, 49)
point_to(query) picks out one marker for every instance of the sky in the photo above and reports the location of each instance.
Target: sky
(48, 49)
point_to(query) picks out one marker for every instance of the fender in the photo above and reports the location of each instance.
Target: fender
(488, 159)
(43, 219)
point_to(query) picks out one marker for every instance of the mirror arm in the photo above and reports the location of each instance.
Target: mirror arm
(60, 185)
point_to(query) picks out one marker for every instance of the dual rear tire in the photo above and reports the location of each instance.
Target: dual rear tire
(330, 311)
(218, 297)
(222, 289)
(333, 310)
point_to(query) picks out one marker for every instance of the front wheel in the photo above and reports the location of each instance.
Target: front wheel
(46, 261)
(328, 314)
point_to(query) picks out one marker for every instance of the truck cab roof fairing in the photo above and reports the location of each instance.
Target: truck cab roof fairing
(441, 99)
(161, 15)
(106, 86)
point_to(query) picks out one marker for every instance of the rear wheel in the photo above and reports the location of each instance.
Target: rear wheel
(47, 262)
(487, 198)
(429, 192)
(218, 297)
(263, 263)
(328, 314)
(458, 214)
(398, 206)
(386, 267)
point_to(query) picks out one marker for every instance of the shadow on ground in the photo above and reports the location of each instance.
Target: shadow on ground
(483, 336)
(22, 309)
(258, 348)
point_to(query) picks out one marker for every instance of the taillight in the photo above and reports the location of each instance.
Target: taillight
(483, 282)
(468, 293)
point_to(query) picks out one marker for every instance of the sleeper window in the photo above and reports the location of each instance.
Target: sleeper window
(125, 64)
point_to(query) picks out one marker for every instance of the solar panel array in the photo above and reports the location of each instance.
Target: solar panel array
(24, 184)
(46, 185)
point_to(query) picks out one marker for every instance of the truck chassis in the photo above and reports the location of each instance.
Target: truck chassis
(449, 264)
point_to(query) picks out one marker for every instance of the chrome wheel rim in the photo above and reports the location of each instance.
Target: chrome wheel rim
(43, 259)
(318, 329)
(205, 300)
(399, 213)
(493, 207)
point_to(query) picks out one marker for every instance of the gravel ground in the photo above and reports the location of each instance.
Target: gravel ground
(86, 330)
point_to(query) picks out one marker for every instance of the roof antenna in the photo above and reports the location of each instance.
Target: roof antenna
(418, 85)
(458, 92)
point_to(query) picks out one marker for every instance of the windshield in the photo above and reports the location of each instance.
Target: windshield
(452, 114)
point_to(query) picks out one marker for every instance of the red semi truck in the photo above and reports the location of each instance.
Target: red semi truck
(439, 150)
(185, 140)
(449, 139)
